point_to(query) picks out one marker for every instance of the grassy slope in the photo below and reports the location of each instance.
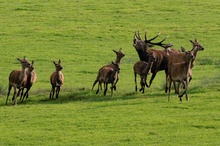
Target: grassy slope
(45, 31)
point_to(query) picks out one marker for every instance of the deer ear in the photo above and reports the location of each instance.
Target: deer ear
(183, 49)
(196, 40)
(59, 61)
(191, 41)
(54, 62)
(114, 51)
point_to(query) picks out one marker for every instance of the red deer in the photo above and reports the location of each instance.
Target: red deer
(17, 79)
(180, 72)
(161, 57)
(108, 75)
(31, 79)
(56, 80)
(180, 57)
(143, 68)
(119, 56)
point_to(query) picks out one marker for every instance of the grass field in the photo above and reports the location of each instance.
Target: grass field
(82, 34)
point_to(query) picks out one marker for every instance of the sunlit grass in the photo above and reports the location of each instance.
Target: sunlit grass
(82, 34)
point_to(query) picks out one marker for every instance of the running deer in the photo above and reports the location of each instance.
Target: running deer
(108, 75)
(180, 72)
(31, 79)
(119, 56)
(17, 79)
(56, 80)
(143, 68)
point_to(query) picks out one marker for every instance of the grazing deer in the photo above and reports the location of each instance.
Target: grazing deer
(119, 56)
(31, 79)
(56, 80)
(180, 72)
(161, 57)
(180, 57)
(108, 75)
(17, 79)
(143, 68)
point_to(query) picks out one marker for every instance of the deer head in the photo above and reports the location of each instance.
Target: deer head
(24, 62)
(138, 44)
(58, 65)
(119, 53)
(196, 45)
(151, 56)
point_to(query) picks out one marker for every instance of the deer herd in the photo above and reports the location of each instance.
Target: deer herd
(176, 64)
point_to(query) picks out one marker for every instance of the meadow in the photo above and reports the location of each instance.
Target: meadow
(82, 35)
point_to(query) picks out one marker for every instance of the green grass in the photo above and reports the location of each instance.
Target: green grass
(82, 34)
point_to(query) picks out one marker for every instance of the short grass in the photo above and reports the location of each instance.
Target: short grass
(82, 34)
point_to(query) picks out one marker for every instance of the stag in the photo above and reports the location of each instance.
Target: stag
(161, 56)
(17, 79)
(31, 79)
(119, 56)
(56, 79)
(143, 68)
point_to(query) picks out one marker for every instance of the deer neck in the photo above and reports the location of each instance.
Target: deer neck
(58, 80)
(143, 56)
(149, 66)
(188, 65)
(118, 60)
(22, 75)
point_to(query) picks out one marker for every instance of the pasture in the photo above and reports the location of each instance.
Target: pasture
(82, 35)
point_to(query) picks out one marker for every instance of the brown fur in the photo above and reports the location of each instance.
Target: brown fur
(161, 56)
(31, 79)
(119, 56)
(56, 80)
(17, 79)
(180, 57)
(108, 75)
(180, 72)
(143, 68)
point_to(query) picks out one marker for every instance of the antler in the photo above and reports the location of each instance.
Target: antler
(149, 41)
(137, 36)
(159, 43)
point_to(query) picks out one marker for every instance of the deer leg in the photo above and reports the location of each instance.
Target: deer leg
(152, 78)
(94, 84)
(98, 88)
(57, 91)
(146, 82)
(168, 85)
(22, 92)
(180, 95)
(15, 95)
(186, 89)
(105, 88)
(112, 89)
(135, 81)
(25, 94)
(166, 72)
(114, 86)
(9, 89)
(177, 88)
(142, 85)
(52, 92)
